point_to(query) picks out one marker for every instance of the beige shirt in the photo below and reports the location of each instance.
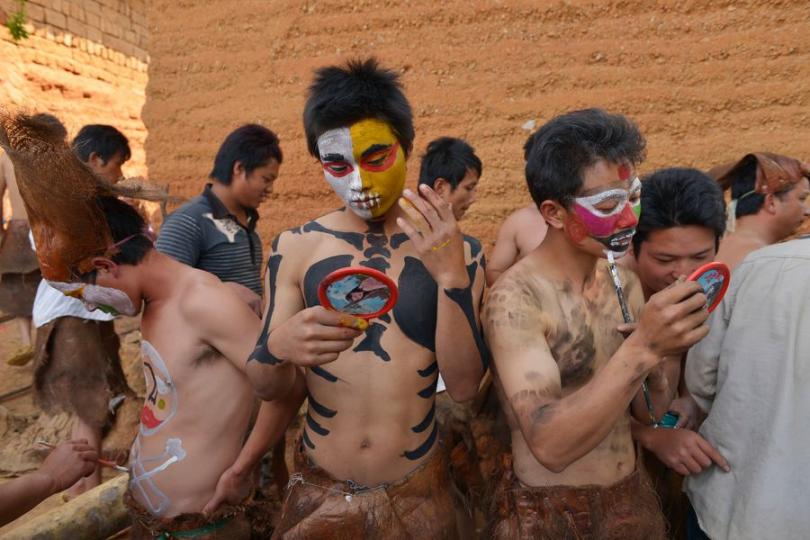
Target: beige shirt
(752, 375)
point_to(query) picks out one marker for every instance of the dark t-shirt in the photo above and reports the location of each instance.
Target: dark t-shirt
(203, 234)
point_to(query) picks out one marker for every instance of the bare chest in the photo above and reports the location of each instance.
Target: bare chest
(584, 338)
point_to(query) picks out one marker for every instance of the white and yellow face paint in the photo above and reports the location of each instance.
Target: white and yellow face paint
(365, 165)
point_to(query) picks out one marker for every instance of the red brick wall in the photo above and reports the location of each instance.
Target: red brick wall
(85, 62)
(706, 80)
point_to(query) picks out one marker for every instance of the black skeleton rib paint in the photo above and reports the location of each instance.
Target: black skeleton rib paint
(326, 412)
(371, 342)
(321, 372)
(428, 371)
(353, 238)
(261, 353)
(307, 440)
(315, 426)
(428, 391)
(423, 425)
(464, 300)
(423, 448)
(415, 310)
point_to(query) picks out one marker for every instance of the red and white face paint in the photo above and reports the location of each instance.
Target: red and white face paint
(610, 217)
(365, 165)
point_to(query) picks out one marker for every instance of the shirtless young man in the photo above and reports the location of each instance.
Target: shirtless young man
(679, 230)
(768, 200)
(521, 232)
(188, 457)
(368, 465)
(566, 376)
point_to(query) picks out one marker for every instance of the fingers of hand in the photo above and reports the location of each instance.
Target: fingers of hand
(426, 209)
(442, 207)
(680, 469)
(415, 217)
(714, 454)
(691, 464)
(89, 455)
(627, 328)
(347, 321)
(677, 292)
(413, 234)
(327, 318)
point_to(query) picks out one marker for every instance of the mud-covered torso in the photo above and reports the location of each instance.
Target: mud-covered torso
(581, 337)
(370, 415)
(194, 417)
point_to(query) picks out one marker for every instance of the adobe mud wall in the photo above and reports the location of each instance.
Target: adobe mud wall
(706, 80)
(85, 61)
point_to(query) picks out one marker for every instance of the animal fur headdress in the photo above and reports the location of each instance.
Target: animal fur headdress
(59, 193)
(774, 173)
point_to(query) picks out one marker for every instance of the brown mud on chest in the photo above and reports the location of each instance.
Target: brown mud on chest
(585, 336)
(572, 346)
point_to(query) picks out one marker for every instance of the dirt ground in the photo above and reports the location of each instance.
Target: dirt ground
(707, 81)
(22, 423)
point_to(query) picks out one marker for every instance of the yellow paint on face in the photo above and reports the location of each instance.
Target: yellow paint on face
(381, 173)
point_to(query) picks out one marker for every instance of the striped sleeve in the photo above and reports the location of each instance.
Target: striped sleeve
(180, 238)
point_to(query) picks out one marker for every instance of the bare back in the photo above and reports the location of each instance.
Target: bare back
(197, 407)
(578, 330)
(519, 235)
(370, 413)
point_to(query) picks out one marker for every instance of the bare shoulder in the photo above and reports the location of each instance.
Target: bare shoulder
(304, 237)
(203, 295)
(519, 300)
(527, 215)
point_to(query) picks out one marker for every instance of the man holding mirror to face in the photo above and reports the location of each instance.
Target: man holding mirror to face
(368, 449)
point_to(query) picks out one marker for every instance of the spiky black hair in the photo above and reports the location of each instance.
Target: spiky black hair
(342, 95)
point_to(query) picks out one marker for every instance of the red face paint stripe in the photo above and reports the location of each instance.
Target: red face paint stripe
(389, 161)
(624, 172)
(338, 174)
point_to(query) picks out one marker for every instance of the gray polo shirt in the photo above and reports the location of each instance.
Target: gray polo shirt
(203, 234)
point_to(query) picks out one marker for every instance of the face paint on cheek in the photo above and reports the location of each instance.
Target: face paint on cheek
(576, 230)
(624, 172)
(381, 163)
(597, 226)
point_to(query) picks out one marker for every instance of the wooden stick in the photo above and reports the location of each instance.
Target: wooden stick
(98, 513)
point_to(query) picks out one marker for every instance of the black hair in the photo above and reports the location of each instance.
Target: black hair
(125, 222)
(743, 184)
(251, 145)
(103, 140)
(340, 96)
(677, 197)
(57, 127)
(527, 146)
(448, 158)
(562, 148)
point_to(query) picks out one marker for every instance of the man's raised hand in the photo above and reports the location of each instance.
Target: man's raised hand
(429, 223)
(314, 336)
(673, 320)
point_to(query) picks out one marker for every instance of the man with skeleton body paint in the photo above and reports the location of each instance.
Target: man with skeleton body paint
(189, 457)
(566, 377)
(368, 463)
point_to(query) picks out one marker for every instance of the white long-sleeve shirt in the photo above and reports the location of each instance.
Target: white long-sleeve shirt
(752, 375)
